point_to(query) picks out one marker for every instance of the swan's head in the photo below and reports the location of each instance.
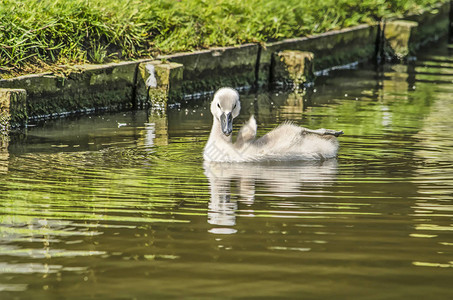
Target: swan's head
(225, 107)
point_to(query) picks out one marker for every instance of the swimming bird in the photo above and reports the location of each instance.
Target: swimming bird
(286, 142)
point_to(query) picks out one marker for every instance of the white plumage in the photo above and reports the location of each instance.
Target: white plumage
(284, 143)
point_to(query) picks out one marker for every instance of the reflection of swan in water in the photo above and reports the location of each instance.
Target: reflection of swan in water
(286, 142)
(279, 179)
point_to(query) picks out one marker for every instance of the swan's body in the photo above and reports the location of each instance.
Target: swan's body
(286, 142)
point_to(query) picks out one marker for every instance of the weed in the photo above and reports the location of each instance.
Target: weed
(74, 31)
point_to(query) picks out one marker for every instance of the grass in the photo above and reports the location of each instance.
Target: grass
(39, 34)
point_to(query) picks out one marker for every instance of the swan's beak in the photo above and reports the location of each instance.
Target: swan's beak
(226, 121)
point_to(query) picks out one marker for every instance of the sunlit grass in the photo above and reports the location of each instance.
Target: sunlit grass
(38, 33)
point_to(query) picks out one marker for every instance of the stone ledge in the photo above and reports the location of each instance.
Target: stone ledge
(334, 48)
(399, 39)
(85, 87)
(207, 70)
(122, 85)
(167, 77)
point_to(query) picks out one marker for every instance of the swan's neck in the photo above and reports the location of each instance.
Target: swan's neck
(217, 134)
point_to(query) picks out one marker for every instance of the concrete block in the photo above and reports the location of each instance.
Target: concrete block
(13, 111)
(211, 69)
(85, 87)
(13, 105)
(157, 81)
(399, 37)
(292, 67)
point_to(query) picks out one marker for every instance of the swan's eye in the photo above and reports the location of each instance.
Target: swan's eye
(234, 106)
(218, 105)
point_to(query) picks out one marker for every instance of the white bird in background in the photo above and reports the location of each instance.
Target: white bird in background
(284, 143)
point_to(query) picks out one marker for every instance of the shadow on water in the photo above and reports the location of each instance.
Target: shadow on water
(122, 205)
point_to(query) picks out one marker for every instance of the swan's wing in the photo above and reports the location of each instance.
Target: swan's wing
(247, 132)
(323, 131)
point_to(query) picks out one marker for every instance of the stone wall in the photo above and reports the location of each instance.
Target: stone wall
(210, 69)
(330, 49)
(171, 78)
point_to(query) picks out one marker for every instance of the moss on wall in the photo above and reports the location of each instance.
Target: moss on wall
(122, 85)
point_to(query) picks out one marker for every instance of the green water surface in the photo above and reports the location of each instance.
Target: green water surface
(121, 206)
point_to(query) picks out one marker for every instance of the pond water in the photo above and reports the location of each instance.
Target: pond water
(121, 206)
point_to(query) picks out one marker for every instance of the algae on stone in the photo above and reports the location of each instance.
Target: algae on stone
(13, 106)
(168, 77)
(291, 67)
(399, 39)
(208, 70)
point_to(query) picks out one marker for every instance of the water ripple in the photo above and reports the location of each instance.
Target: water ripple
(126, 211)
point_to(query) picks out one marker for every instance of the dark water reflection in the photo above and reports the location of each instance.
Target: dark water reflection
(121, 206)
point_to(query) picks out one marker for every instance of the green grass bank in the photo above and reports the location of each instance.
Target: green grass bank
(38, 35)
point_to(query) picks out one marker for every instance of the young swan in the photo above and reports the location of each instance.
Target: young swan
(286, 142)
